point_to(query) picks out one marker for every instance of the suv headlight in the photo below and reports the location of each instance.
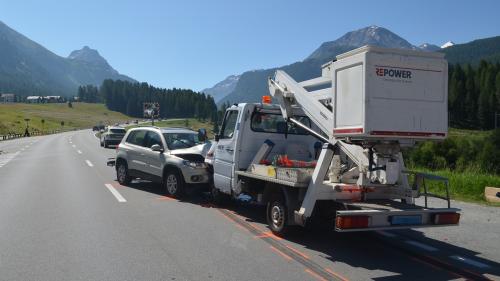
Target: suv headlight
(196, 165)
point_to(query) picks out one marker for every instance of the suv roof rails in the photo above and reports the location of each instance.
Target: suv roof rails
(177, 127)
(147, 126)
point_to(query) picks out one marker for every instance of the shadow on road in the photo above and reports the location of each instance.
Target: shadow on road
(361, 250)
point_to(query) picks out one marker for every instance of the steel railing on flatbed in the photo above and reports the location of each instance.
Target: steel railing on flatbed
(419, 182)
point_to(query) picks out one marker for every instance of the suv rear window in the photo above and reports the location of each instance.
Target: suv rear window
(117, 131)
(137, 137)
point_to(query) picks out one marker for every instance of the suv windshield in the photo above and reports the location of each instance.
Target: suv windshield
(117, 131)
(181, 140)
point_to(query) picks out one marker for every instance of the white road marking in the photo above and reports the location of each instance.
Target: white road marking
(6, 158)
(22, 149)
(470, 261)
(89, 163)
(387, 234)
(73, 145)
(79, 151)
(421, 245)
(26, 146)
(115, 192)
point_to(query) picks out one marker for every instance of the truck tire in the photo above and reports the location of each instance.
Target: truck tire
(218, 197)
(122, 174)
(277, 215)
(105, 144)
(174, 183)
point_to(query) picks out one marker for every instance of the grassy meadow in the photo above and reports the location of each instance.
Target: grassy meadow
(81, 115)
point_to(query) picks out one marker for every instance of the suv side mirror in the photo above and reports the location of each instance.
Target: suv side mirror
(156, 147)
(217, 137)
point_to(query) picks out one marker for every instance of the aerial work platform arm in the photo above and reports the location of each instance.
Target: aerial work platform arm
(365, 118)
(315, 104)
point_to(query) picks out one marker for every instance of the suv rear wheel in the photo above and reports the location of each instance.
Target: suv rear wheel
(173, 183)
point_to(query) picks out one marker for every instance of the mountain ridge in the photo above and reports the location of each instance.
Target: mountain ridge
(252, 84)
(223, 88)
(28, 68)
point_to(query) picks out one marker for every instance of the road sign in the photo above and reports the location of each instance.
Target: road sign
(151, 109)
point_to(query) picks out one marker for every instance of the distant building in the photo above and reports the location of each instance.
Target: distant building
(53, 99)
(7, 98)
(45, 99)
(34, 99)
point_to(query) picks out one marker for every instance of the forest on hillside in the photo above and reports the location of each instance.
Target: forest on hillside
(128, 98)
(474, 95)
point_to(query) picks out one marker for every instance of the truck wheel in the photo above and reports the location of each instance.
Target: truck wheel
(277, 215)
(105, 144)
(174, 184)
(122, 173)
(219, 197)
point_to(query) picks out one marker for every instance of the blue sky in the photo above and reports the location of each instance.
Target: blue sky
(195, 44)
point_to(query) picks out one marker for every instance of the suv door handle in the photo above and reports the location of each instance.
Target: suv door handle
(229, 150)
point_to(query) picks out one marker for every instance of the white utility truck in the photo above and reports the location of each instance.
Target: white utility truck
(333, 144)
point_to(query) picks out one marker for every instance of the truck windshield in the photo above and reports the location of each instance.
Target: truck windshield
(274, 123)
(181, 140)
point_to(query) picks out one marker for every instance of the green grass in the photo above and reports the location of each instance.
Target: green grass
(192, 123)
(470, 134)
(82, 115)
(464, 186)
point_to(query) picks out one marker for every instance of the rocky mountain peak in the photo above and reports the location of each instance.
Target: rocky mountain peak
(87, 54)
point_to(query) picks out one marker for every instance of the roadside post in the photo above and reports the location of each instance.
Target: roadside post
(26, 132)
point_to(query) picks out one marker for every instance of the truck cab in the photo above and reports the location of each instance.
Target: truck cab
(245, 128)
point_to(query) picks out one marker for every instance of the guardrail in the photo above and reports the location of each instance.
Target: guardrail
(32, 133)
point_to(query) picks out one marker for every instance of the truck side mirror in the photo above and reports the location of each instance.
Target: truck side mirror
(202, 134)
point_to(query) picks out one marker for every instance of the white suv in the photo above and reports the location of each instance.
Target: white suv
(112, 136)
(171, 156)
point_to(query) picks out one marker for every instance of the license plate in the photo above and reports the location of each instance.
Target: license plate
(406, 220)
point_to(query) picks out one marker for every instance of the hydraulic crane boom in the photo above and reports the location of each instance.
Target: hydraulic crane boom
(315, 104)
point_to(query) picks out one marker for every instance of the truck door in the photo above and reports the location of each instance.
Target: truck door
(224, 153)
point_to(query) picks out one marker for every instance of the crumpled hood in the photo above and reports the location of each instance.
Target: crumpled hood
(200, 149)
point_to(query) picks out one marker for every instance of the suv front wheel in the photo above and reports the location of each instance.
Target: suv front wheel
(173, 183)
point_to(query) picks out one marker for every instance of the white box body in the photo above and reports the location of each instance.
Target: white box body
(389, 94)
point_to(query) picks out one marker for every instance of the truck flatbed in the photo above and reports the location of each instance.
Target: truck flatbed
(270, 179)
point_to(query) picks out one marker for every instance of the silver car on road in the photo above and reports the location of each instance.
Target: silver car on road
(173, 157)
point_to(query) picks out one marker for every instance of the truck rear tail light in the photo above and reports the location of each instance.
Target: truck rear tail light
(446, 218)
(348, 222)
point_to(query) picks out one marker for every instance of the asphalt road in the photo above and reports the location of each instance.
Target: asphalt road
(63, 216)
